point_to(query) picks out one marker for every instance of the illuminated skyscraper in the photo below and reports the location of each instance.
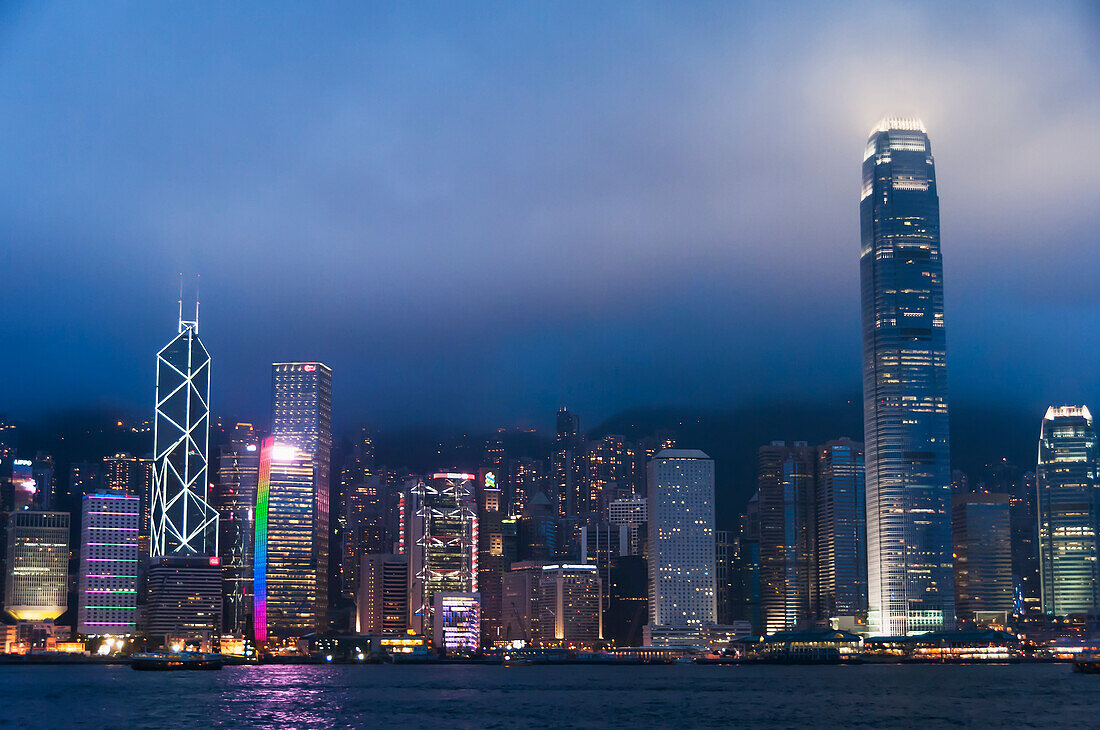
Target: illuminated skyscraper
(444, 555)
(1069, 512)
(289, 578)
(785, 495)
(107, 586)
(681, 540)
(610, 464)
(491, 561)
(841, 534)
(299, 498)
(566, 474)
(183, 521)
(909, 573)
(362, 525)
(235, 499)
(383, 601)
(570, 606)
(981, 530)
(37, 581)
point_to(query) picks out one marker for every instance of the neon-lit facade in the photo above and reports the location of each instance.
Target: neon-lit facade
(235, 499)
(259, 559)
(910, 583)
(23, 485)
(298, 499)
(444, 534)
(183, 521)
(294, 570)
(107, 585)
(457, 622)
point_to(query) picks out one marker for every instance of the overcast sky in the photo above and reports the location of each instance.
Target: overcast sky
(478, 212)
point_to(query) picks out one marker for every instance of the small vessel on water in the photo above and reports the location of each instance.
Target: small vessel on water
(172, 660)
(1087, 662)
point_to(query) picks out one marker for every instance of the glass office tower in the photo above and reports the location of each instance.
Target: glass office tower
(909, 571)
(298, 499)
(1069, 512)
(235, 499)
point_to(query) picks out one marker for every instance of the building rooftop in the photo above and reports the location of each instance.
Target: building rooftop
(906, 124)
(680, 454)
(1067, 412)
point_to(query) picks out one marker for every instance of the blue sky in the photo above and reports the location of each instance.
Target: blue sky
(478, 212)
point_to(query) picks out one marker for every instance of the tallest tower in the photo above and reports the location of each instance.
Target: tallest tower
(183, 521)
(909, 573)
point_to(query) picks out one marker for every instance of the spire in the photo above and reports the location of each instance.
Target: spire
(194, 323)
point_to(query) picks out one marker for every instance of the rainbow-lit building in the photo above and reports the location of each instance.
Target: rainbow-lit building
(287, 564)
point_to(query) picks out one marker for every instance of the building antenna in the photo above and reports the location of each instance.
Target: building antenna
(197, 301)
(181, 303)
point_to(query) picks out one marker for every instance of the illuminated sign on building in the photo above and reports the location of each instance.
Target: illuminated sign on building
(259, 581)
(309, 368)
(457, 624)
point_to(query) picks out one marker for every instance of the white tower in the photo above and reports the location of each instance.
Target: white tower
(183, 522)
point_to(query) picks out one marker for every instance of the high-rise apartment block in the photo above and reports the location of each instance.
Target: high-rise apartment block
(909, 576)
(1069, 512)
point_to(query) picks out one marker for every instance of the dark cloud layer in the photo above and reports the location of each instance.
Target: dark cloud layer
(477, 213)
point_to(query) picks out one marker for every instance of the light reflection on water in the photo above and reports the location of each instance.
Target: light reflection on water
(488, 696)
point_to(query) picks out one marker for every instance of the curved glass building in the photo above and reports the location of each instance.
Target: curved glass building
(909, 572)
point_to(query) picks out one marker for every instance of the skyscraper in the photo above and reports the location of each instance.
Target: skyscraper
(37, 580)
(785, 495)
(444, 556)
(383, 601)
(301, 425)
(565, 465)
(841, 534)
(491, 562)
(288, 578)
(681, 540)
(107, 586)
(909, 575)
(1069, 513)
(235, 499)
(362, 521)
(981, 530)
(183, 520)
(570, 606)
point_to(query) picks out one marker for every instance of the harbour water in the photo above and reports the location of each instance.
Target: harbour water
(456, 696)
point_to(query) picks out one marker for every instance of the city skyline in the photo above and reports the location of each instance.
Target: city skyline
(539, 301)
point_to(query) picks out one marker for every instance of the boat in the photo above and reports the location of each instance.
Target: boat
(172, 660)
(1087, 662)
